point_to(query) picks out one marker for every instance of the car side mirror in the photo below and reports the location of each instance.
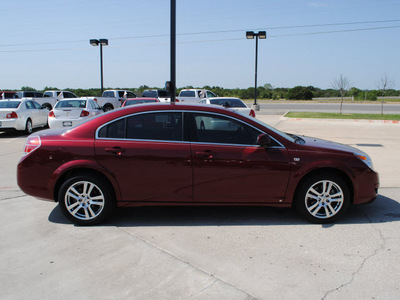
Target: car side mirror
(263, 140)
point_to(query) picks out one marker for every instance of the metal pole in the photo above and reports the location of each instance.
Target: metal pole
(173, 51)
(255, 84)
(101, 67)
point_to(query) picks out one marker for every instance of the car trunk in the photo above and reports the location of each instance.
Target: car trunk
(68, 113)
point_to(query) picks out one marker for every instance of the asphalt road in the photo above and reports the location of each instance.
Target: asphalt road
(273, 107)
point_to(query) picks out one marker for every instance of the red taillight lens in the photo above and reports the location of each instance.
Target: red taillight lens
(252, 113)
(51, 114)
(84, 113)
(176, 100)
(95, 99)
(31, 144)
(12, 115)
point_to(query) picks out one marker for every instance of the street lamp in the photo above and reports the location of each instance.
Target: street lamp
(250, 35)
(101, 42)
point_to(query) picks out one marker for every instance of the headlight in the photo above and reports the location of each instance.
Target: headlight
(364, 158)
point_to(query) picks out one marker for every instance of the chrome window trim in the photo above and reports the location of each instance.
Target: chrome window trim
(185, 142)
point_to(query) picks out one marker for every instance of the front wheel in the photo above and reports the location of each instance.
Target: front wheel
(323, 198)
(85, 199)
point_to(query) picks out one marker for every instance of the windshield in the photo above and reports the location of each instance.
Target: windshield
(9, 104)
(71, 104)
(282, 134)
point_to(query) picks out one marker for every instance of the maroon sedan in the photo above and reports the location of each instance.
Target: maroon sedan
(202, 155)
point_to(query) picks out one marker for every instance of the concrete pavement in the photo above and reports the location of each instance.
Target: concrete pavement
(207, 253)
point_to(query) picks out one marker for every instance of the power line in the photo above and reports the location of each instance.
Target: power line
(204, 41)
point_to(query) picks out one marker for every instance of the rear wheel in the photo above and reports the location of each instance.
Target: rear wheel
(107, 107)
(323, 198)
(85, 199)
(28, 126)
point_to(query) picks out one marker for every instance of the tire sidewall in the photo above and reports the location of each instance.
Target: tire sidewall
(101, 184)
(28, 129)
(305, 186)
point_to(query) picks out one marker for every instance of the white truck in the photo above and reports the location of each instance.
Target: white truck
(161, 95)
(113, 98)
(50, 98)
(194, 95)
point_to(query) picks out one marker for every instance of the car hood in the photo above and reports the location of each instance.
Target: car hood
(324, 144)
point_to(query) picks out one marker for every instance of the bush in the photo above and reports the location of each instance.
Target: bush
(300, 93)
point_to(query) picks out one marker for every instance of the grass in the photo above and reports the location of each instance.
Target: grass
(318, 115)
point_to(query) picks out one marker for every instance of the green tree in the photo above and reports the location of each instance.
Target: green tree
(300, 93)
(27, 88)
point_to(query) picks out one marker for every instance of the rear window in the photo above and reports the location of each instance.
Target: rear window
(9, 104)
(133, 102)
(150, 94)
(71, 104)
(228, 102)
(187, 94)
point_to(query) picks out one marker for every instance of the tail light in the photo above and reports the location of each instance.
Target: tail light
(12, 115)
(176, 100)
(84, 113)
(31, 144)
(51, 114)
(252, 113)
(95, 99)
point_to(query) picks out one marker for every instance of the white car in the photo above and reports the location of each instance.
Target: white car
(229, 102)
(71, 112)
(22, 114)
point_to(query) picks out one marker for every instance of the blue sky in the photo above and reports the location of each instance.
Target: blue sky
(46, 43)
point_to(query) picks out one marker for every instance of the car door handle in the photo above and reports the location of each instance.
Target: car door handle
(205, 154)
(116, 150)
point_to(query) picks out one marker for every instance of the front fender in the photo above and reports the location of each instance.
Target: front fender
(299, 172)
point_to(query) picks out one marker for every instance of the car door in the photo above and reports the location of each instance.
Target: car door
(146, 154)
(228, 166)
(41, 113)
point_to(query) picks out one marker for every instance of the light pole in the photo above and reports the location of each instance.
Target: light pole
(101, 42)
(251, 35)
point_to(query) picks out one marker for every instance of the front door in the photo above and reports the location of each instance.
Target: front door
(228, 166)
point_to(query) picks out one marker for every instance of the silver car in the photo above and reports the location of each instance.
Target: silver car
(22, 115)
(71, 112)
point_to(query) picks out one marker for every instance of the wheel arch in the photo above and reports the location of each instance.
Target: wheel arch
(83, 171)
(326, 170)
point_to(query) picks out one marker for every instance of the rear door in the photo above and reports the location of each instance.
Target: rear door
(147, 156)
(228, 166)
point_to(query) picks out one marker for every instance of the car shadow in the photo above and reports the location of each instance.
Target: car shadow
(383, 210)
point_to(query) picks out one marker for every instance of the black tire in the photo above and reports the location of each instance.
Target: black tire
(107, 108)
(47, 106)
(86, 199)
(28, 126)
(323, 198)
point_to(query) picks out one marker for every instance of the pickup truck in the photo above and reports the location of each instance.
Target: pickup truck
(50, 98)
(113, 98)
(162, 95)
(29, 94)
(194, 95)
(8, 95)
